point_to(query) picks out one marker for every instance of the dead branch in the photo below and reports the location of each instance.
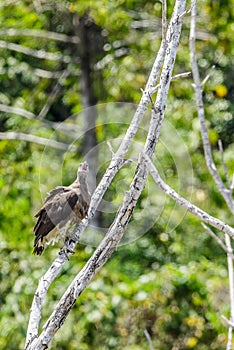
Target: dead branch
(175, 77)
(41, 54)
(149, 340)
(54, 93)
(218, 240)
(35, 139)
(40, 34)
(225, 191)
(202, 215)
(116, 231)
(66, 128)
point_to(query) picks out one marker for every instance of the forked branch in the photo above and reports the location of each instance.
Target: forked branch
(116, 231)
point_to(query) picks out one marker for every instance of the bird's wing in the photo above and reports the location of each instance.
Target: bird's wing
(57, 190)
(81, 208)
(64, 204)
(51, 196)
(54, 212)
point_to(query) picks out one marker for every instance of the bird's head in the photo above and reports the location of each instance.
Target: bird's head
(83, 169)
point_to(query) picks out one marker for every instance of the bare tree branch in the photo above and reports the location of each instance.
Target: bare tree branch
(35, 139)
(175, 77)
(201, 214)
(51, 56)
(40, 34)
(231, 289)
(54, 93)
(208, 76)
(42, 73)
(15, 110)
(231, 324)
(66, 128)
(149, 340)
(227, 194)
(116, 231)
(218, 240)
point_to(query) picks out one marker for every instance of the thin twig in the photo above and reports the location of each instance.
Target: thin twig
(152, 104)
(231, 290)
(226, 192)
(42, 73)
(66, 128)
(192, 208)
(40, 34)
(218, 240)
(181, 75)
(186, 12)
(149, 340)
(15, 110)
(111, 149)
(35, 139)
(54, 93)
(41, 54)
(175, 77)
(208, 76)
(229, 323)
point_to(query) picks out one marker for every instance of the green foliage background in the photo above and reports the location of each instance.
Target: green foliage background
(173, 284)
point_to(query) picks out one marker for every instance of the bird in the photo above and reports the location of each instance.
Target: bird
(63, 207)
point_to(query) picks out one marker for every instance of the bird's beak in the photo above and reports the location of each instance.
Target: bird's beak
(85, 166)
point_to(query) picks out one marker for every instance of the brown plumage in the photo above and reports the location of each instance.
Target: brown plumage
(63, 207)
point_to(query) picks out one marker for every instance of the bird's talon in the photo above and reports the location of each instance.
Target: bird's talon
(65, 250)
(70, 251)
(71, 237)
